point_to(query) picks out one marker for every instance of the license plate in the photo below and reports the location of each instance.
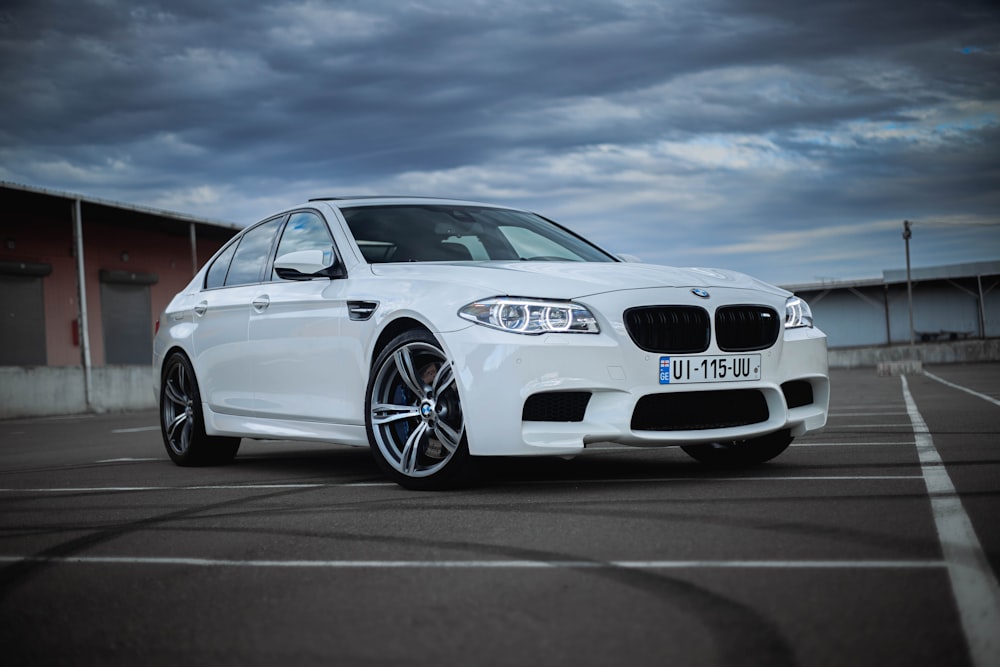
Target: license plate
(725, 368)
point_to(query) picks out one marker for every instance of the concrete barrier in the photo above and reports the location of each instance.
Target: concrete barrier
(41, 391)
(946, 352)
(896, 368)
(117, 388)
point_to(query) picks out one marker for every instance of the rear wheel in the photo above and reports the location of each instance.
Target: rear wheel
(182, 422)
(740, 453)
(414, 418)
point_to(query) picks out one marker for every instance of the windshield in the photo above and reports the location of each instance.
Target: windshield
(437, 233)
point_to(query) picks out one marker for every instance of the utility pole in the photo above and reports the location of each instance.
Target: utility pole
(907, 233)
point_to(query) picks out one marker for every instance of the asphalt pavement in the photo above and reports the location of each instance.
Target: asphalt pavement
(874, 542)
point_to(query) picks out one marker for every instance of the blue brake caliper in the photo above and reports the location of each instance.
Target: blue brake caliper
(401, 428)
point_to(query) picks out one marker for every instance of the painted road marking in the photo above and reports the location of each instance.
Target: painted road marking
(126, 460)
(487, 564)
(798, 443)
(863, 414)
(139, 429)
(961, 388)
(909, 443)
(207, 487)
(973, 583)
(632, 480)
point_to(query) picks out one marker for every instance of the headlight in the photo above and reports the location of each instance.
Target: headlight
(530, 316)
(797, 313)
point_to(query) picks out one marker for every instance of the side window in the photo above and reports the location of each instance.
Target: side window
(216, 276)
(252, 253)
(304, 231)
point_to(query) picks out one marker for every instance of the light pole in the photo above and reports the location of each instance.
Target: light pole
(909, 283)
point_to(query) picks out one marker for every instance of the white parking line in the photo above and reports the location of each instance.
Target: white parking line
(961, 388)
(973, 583)
(909, 443)
(207, 487)
(126, 460)
(139, 429)
(630, 480)
(741, 478)
(487, 564)
(624, 449)
(864, 414)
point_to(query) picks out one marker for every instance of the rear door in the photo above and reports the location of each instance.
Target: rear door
(222, 316)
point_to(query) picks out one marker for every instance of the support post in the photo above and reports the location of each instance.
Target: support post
(194, 251)
(982, 307)
(909, 283)
(83, 315)
(885, 308)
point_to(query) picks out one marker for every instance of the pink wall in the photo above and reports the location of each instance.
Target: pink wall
(149, 251)
(51, 242)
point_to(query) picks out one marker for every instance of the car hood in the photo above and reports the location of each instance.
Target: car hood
(569, 280)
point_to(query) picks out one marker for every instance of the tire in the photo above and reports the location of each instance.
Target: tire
(182, 423)
(740, 453)
(414, 418)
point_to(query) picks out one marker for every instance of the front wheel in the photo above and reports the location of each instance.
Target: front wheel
(740, 453)
(414, 415)
(182, 423)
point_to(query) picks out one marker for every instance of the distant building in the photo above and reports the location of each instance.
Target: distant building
(77, 335)
(950, 303)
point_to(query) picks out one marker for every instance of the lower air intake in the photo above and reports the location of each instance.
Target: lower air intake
(797, 393)
(556, 406)
(700, 410)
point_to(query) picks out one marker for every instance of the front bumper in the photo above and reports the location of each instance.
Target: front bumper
(499, 371)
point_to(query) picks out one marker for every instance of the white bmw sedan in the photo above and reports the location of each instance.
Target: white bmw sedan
(437, 332)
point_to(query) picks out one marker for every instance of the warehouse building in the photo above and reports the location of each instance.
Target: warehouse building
(955, 315)
(81, 283)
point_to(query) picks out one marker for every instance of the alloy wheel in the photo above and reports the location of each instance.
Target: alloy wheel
(178, 409)
(416, 415)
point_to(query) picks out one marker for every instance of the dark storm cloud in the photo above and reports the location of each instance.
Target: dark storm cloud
(710, 129)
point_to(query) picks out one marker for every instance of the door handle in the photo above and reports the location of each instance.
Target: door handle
(201, 308)
(261, 303)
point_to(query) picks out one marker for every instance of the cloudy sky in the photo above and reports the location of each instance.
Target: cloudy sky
(785, 138)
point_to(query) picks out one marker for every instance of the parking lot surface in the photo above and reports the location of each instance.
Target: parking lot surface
(874, 542)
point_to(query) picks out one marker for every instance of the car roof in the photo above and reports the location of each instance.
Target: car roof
(399, 199)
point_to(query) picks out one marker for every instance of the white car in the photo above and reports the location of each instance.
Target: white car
(437, 332)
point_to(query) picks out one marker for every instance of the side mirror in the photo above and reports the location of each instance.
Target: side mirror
(306, 264)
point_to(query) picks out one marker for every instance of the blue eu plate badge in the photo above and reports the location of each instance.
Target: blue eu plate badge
(664, 370)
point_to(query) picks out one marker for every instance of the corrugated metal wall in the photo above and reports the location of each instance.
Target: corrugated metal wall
(878, 313)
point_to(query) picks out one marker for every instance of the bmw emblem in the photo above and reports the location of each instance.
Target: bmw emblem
(699, 293)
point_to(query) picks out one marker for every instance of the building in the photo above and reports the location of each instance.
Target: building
(955, 315)
(81, 283)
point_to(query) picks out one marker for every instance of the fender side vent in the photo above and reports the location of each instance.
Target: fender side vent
(361, 310)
